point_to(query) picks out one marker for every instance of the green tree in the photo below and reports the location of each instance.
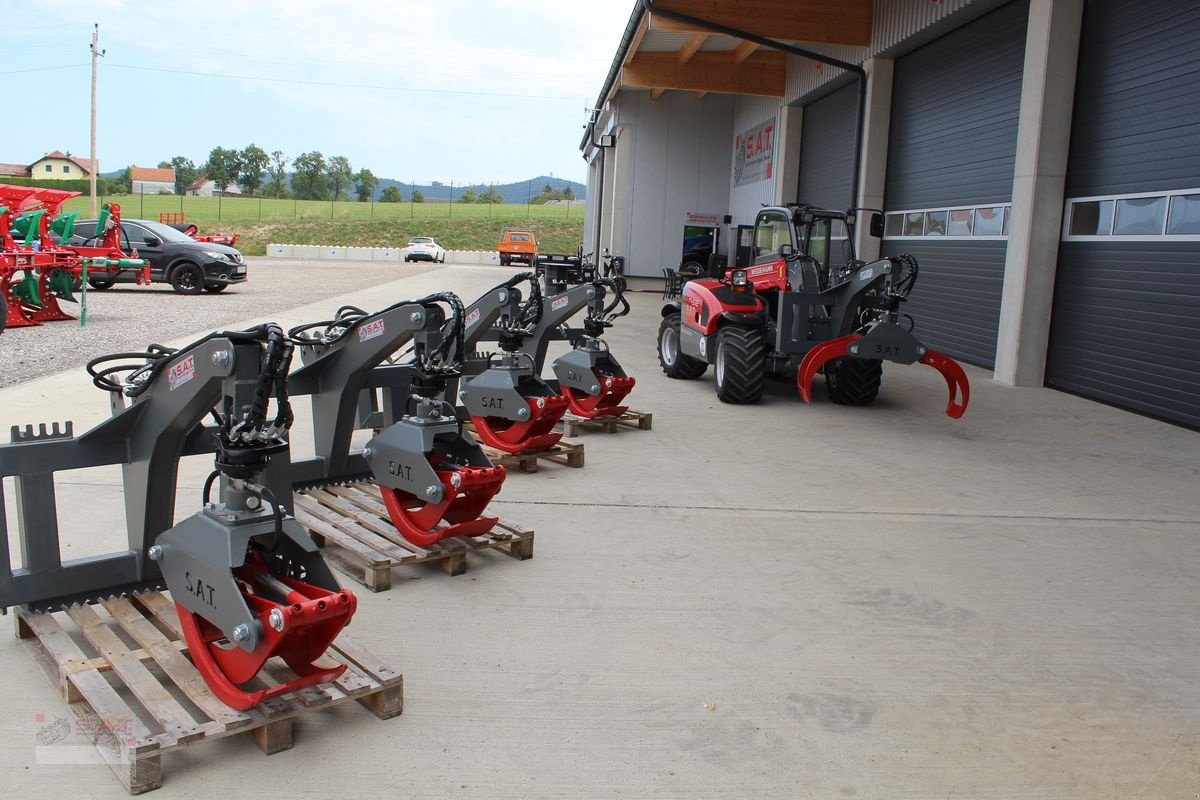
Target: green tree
(418, 196)
(390, 194)
(491, 196)
(254, 162)
(164, 165)
(364, 184)
(223, 167)
(469, 196)
(308, 176)
(340, 175)
(277, 169)
(185, 173)
(568, 193)
(547, 189)
(124, 184)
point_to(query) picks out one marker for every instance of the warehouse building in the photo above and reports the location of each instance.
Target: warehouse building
(1040, 158)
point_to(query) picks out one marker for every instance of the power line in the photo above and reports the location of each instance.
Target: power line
(573, 99)
(42, 69)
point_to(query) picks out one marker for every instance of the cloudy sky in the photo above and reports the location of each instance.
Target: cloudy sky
(463, 90)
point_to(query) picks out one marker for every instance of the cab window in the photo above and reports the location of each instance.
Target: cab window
(771, 232)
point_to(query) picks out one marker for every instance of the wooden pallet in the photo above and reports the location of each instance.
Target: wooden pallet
(633, 420)
(353, 526)
(568, 454)
(137, 698)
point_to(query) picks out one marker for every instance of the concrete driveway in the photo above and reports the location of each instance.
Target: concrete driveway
(770, 601)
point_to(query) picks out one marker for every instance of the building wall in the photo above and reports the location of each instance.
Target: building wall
(678, 160)
(153, 187)
(745, 200)
(60, 170)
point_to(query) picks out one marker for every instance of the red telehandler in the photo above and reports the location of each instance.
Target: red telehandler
(797, 312)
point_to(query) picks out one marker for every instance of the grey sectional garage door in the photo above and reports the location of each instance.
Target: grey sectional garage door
(1126, 324)
(827, 150)
(955, 107)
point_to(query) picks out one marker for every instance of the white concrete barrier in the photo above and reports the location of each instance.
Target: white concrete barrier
(339, 253)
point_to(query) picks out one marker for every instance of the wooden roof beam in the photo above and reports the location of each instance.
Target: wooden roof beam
(763, 73)
(656, 93)
(690, 47)
(744, 51)
(815, 21)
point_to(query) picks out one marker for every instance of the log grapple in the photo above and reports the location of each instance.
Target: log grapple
(512, 408)
(796, 312)
(248, 582)
(588, 375)
(434, 478)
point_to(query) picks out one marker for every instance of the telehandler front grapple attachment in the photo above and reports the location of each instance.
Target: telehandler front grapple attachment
(592, 380)
(247, 581)
(434, 479)
(513, 410)
(885, 341)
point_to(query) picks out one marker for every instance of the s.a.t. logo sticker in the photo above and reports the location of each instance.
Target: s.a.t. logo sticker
(371, 330)
(181, 372)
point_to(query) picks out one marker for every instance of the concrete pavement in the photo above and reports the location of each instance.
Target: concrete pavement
(770, 601)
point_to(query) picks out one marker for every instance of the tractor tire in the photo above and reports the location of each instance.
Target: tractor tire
(853, 381)
(674, 363)
(741, 365)
(101, 283)
(187, 279)
(216, 288)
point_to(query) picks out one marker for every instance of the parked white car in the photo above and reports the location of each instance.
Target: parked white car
(424, 248)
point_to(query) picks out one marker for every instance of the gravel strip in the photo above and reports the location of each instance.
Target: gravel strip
(129, 317)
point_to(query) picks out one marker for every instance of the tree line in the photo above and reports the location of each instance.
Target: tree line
(259, 173)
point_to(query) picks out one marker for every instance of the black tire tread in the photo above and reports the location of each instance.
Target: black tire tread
(853, 381)
(685, 367)
(745, 365)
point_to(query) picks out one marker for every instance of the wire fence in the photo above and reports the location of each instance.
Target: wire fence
(266, 209)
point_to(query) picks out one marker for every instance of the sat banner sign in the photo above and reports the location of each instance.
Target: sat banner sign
(753, 154)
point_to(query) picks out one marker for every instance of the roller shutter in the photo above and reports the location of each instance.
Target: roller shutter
(827, 150)
(955, 107)
(1126, 324)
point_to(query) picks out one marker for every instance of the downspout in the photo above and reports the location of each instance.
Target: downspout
(596, 256)
(854, 69)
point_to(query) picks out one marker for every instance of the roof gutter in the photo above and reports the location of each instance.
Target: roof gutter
(635, 19)
(854, 69)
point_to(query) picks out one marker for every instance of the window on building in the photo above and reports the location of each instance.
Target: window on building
(961, 220)
(895, 225)
(1140, 216)
(914, 223)
(66, 169)
(49, 168)
(935, 223)
(1185, 215)
(989, 221)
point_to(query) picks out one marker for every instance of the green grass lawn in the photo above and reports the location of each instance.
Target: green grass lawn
(262, 221)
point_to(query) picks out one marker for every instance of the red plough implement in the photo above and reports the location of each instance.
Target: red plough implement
(613, 389)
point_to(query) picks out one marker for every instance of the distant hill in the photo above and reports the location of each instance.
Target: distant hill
(440, 192)
(511, 192)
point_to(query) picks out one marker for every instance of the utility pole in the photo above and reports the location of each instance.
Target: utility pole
(96, 53)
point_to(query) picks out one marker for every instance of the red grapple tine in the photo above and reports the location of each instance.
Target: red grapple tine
(817, 358)
(604, 404)
(461, 506)
(313, 618)
(535, 433)
(956, 381)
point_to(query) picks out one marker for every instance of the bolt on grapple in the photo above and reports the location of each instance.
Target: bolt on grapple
(247, 581)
